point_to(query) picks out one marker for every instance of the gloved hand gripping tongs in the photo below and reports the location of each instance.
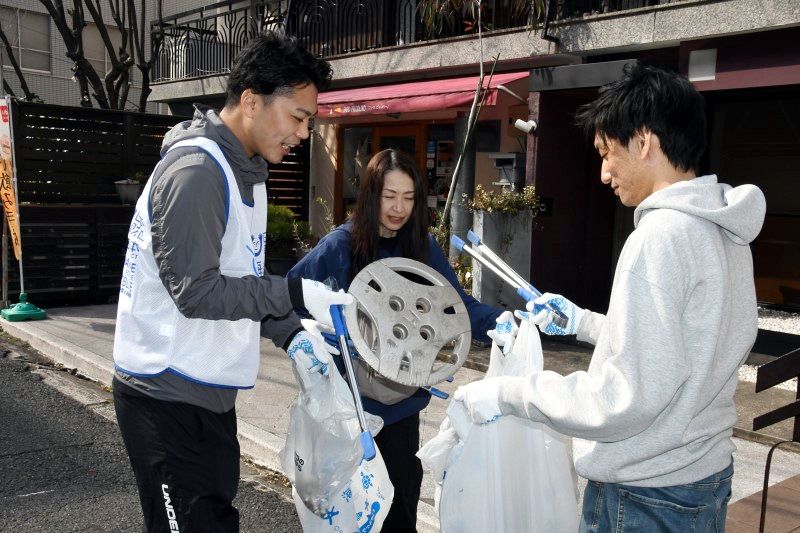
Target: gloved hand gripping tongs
(486, 257)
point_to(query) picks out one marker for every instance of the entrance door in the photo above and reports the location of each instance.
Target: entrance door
(357, 144)
(754, 139)
(409, 139)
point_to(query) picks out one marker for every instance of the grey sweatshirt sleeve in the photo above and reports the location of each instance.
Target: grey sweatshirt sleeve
(621, 395)
(590, 326)
(188, 216)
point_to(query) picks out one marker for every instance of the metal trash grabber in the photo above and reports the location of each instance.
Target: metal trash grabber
(485, 256)
(367, 442)
(484, 250)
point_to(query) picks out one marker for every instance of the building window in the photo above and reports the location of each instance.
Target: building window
(94, 49)
(29, 35)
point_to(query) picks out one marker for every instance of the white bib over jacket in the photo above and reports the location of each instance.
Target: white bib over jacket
(152, 336)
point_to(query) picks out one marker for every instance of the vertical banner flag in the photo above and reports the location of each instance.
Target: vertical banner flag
(7, 193)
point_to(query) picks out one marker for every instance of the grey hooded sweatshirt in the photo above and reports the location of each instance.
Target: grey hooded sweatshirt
(658, 396)
(188, 200)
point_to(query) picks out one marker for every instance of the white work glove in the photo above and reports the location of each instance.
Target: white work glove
(315, 329)
(504, 332)
(318, 300)
(481, 399)
(540, 313)
(309, 352)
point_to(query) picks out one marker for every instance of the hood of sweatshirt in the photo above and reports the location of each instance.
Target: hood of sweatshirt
(206, 123)
(739, 211)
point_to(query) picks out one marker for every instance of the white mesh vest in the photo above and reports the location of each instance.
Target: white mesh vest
(152, 336)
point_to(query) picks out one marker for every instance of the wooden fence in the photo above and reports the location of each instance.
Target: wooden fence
(69, 155)
(74, 228)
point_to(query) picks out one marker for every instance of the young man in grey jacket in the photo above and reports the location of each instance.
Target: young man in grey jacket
(658, 396)
(194, 295)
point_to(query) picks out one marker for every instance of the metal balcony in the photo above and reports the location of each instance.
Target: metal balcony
(203, 42)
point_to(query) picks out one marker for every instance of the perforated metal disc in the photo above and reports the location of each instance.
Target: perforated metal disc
(404, 314)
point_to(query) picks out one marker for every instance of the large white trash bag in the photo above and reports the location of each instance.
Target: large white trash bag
(508, 475)
(333, 488)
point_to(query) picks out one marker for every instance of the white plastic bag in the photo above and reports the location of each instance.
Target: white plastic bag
(509, 475)
(323, 459)
(360, 506)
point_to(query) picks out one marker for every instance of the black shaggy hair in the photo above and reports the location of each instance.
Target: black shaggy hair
(651, 99)
(274, 63)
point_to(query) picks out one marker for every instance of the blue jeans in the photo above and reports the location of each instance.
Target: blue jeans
(698, 506)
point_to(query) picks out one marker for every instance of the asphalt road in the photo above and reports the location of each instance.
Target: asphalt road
(63, 467)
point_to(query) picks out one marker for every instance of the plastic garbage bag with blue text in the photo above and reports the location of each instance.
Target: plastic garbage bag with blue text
(508, 475)
(334, 489)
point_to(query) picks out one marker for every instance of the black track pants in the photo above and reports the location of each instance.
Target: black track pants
(185, 460)
(399, 443)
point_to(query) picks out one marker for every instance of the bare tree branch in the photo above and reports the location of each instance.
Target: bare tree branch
(121, 63)
(70, 24)
(112, 91)
(138, 31)
(29, 96)
(7, 88)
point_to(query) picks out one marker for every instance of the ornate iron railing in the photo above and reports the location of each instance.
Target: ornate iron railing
(204, 41)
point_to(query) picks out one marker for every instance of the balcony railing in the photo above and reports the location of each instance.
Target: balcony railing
(204, 41)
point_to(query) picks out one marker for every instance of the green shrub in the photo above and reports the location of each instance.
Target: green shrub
(284, 232)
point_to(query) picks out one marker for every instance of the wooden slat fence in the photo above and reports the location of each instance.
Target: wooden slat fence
(288, 182)
(72, 254)
(74, 230)
(74, 155)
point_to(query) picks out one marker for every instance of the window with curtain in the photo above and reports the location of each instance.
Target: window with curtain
(29, 35)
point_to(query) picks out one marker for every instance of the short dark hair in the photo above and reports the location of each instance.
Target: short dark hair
(649, 98)
(274, 62)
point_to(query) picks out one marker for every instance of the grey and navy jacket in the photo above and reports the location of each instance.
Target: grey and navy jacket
(188, 204)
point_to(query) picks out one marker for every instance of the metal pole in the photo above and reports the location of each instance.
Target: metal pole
(5, 222)
(16, 192)
(460, 216)
(5, 262)
(2, 79)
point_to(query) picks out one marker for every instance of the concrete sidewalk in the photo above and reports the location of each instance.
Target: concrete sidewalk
(82, 338)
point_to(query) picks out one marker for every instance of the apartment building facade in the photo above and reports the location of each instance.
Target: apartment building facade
(397, 86)
(40, 50)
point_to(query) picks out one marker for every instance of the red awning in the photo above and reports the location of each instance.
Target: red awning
(408, 97)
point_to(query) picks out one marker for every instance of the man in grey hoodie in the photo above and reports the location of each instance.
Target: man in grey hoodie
(194, 294)
(658, 396)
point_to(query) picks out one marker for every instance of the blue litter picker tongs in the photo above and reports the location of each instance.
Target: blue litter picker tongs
(367, 442)
(486, 257)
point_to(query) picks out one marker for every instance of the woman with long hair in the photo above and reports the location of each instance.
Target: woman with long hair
(391, 220)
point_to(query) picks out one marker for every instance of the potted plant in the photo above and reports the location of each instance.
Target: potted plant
(130, 188)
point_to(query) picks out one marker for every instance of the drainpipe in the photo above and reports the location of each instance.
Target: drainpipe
(460, 217)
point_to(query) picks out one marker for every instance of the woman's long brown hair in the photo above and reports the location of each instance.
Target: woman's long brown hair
(412, 237)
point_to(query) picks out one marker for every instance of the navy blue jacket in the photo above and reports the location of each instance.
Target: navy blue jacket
(331, 258)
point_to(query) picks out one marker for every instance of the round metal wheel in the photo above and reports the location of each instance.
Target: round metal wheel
(405, 313)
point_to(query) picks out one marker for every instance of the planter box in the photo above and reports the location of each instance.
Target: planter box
(509, 236)
(128, 190)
